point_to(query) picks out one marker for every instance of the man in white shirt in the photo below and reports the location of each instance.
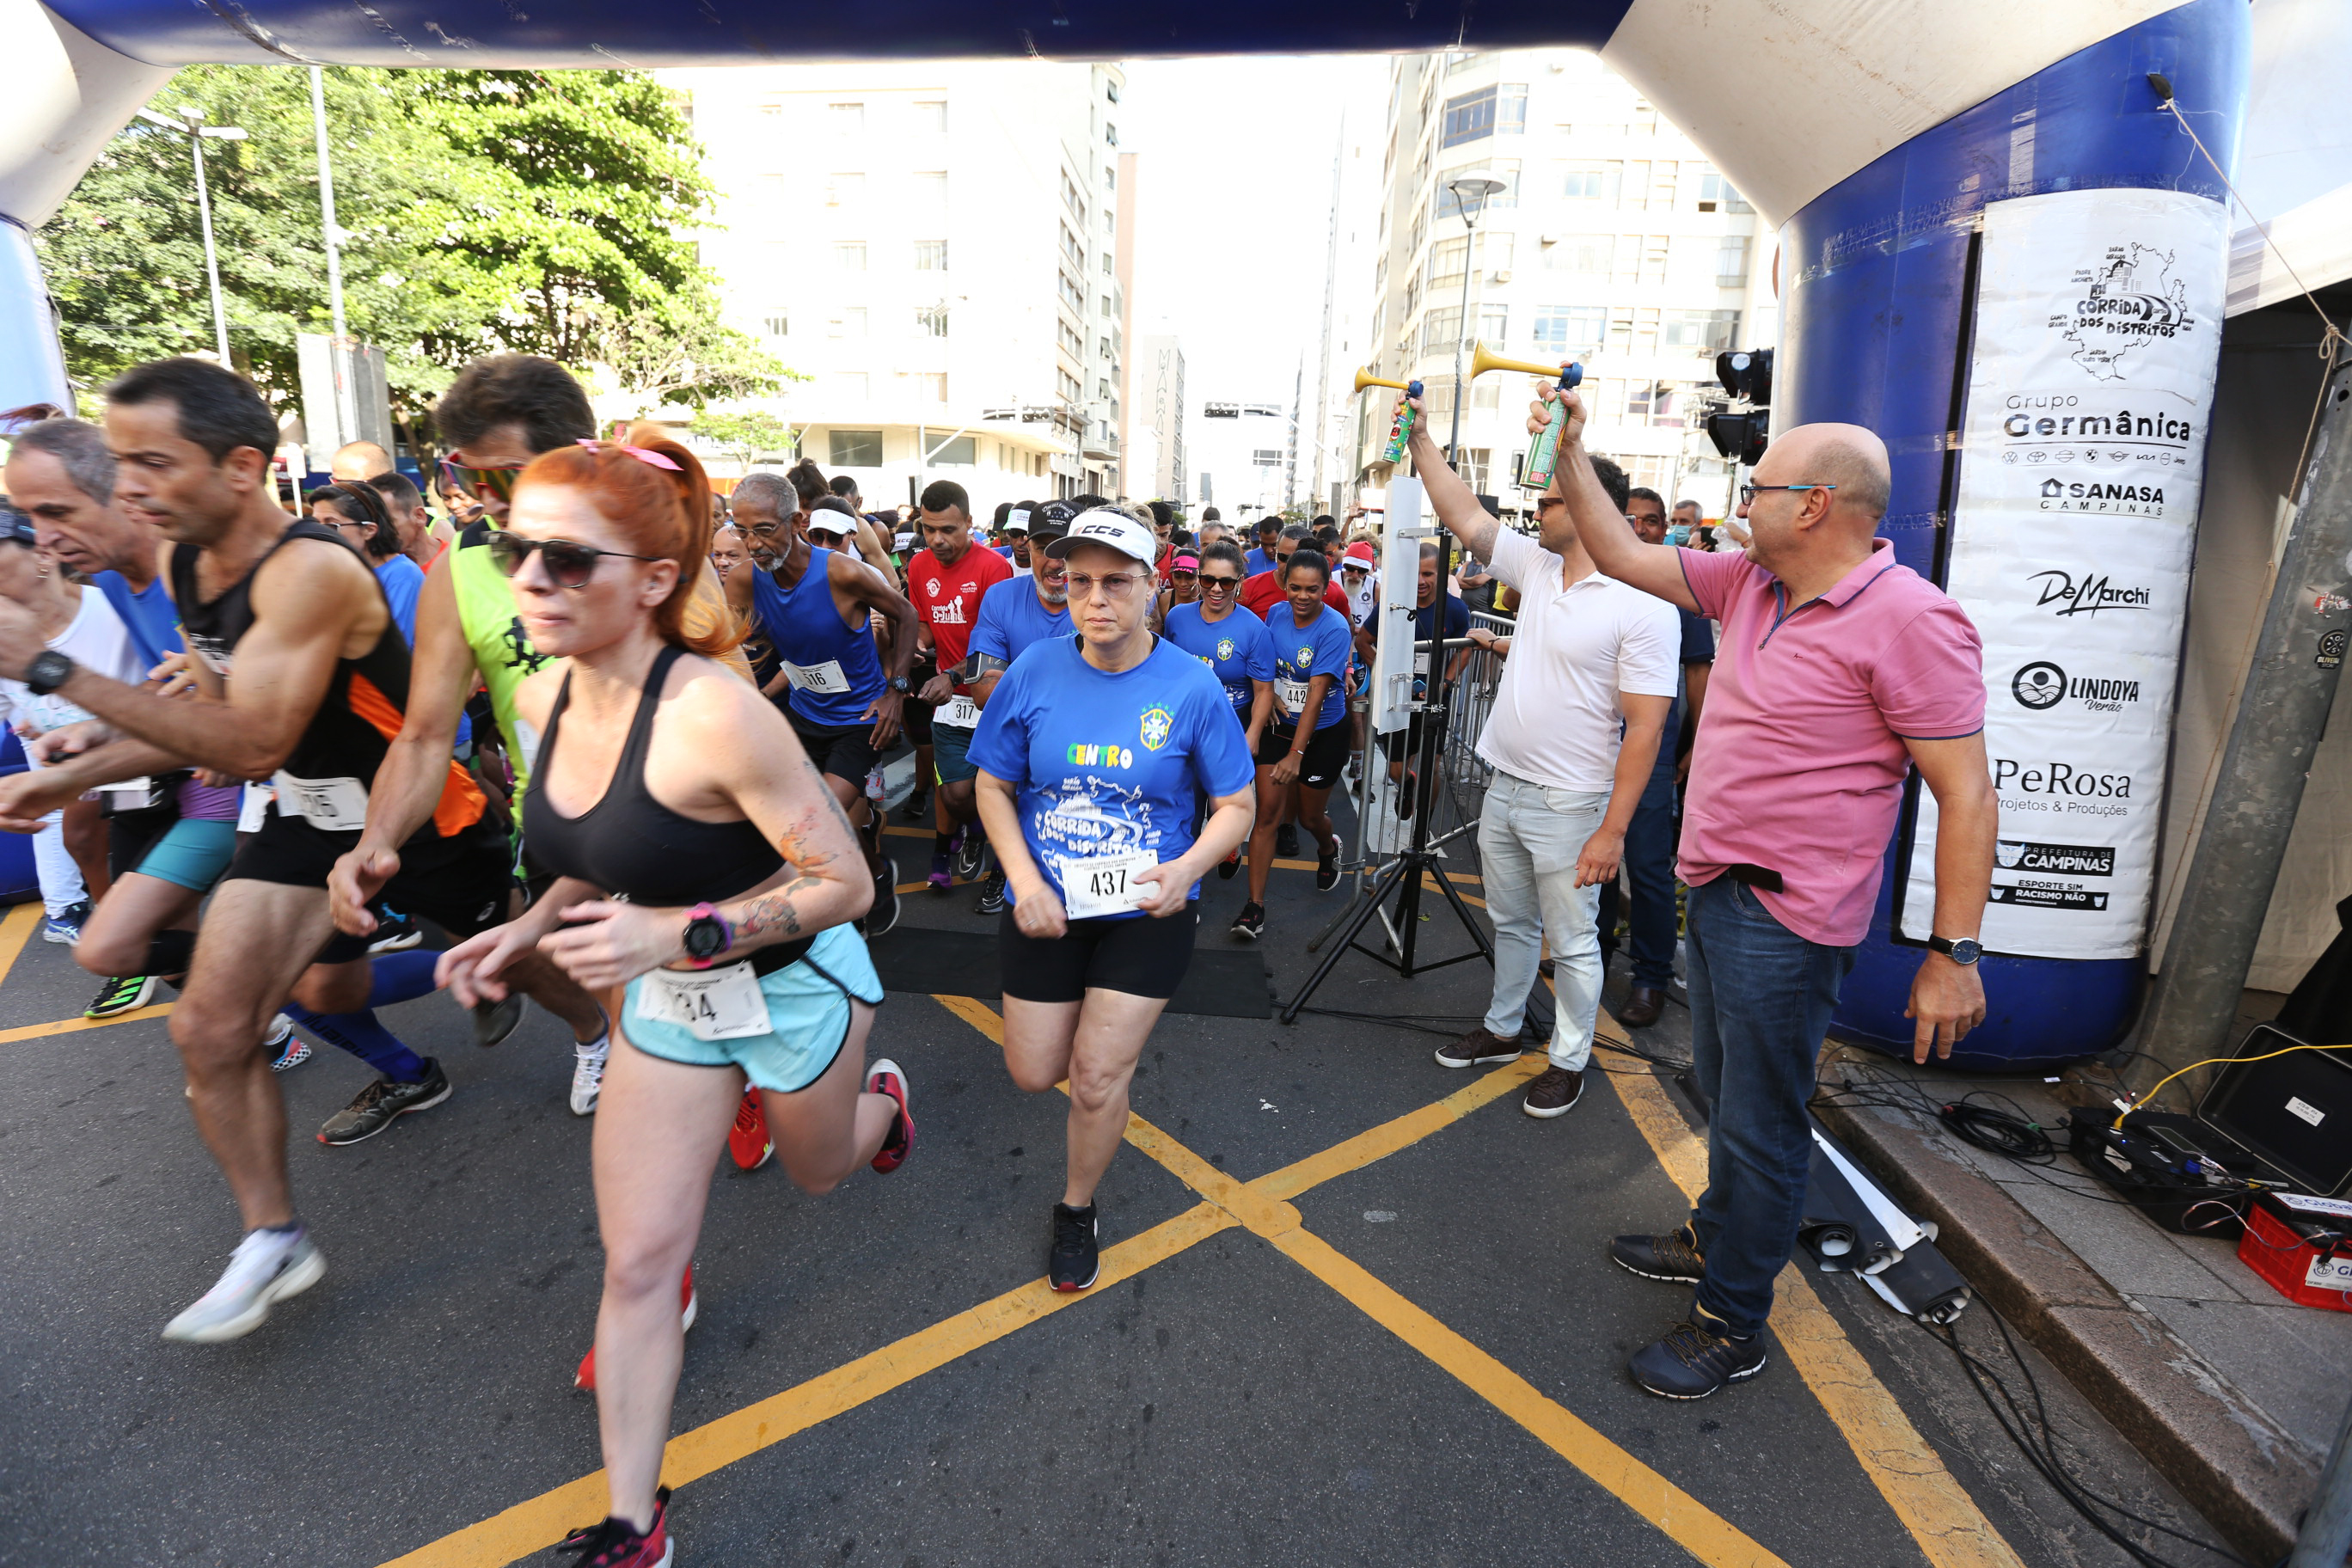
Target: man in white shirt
(1589, 654)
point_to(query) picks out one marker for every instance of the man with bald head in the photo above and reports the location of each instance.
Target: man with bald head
(1840, 671)
(356, 462)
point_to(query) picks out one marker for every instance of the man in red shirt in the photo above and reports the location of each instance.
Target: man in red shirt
(1262, 592)
(945, 580)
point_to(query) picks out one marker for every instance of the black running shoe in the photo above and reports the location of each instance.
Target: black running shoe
(1671, 1256)
(397, 933)
(991, 894)
(1326, 871)
(1072, 1262)
(494, 1021)
(885, 912)
(616, 1544)
(1250, 924)
(1285, 840)
(382, 1103)
(970, 850)
(1696, 1358)
(124, 993)
(1229, 865)
(917, 806)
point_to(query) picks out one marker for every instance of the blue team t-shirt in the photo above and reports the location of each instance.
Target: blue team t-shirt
(1236, 650)
(148, 615)
(1259, 560)
(1011, 621)
(403, 579)
(1104, 764)
(1302, 653)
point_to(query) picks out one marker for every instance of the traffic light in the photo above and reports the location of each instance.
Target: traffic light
(1746, 375)
(1739, 437)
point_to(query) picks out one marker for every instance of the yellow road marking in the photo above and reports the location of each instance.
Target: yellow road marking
(1697, 1528)
(1951, 1531)
(68, 1025)
(1381, 1142)
(535, 1525)
(15, 931)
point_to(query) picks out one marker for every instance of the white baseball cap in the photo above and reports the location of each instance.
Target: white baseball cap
(1017, 520)
(1108, 525)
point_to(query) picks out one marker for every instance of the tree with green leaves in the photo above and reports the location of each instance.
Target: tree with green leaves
(482, 212)
(748, 437)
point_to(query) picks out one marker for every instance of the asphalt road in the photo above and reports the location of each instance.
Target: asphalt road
(1424, 1365)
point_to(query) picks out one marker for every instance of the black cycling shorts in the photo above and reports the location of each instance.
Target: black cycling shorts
(460, 883)
(1139, 955)
(839, 751)
(1327, 753)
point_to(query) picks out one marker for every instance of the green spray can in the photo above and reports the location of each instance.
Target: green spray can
(1543, 457)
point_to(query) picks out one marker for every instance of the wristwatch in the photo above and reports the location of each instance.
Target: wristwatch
(901, 685)
(1964, 952)
(48, 670)
(708, 936)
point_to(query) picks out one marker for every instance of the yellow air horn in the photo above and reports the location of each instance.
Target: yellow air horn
(1485, 358)
(1543, 453)
(1401, 427)
(1365, 378)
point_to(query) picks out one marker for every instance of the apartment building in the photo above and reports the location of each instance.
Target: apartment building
(1612, 242)
(934, 246)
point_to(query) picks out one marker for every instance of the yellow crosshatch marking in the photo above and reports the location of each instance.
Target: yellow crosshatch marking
(1950, 1531)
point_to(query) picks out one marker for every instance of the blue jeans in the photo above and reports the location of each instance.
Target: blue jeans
(1650, 870)
(1761, 999)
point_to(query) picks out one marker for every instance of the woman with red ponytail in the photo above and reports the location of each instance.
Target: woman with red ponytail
(703, 865)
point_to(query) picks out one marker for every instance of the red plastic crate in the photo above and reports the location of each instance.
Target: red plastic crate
(2293, 1264)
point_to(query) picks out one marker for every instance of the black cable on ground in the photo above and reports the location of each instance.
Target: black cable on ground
(1996, 1131)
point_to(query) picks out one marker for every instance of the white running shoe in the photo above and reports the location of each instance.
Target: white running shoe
(588, 1072)
(267, 1267)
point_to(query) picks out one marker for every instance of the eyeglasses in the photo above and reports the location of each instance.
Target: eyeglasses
(1116, 587)
(466, 477)
(569, 565)
(1747, 493)
(1220, 584)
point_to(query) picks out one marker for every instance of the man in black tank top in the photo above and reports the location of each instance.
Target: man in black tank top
(301, 675)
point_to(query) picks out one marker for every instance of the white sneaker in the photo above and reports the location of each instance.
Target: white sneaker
(267, 1267)
(588, 1072)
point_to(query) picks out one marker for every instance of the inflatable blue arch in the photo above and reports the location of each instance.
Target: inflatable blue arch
(1874, 132)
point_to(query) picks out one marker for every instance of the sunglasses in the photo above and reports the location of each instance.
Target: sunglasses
(569, 565)
(499, 482)
(1219, 583)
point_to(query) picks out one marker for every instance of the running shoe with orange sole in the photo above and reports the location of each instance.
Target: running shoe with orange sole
(584, 1379)
(748, 1140)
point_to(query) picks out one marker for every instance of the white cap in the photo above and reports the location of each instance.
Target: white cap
(824, 520)
(1017, 520)
(1108, 525)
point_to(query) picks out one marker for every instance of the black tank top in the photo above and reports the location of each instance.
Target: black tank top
(629, 843)
(363, 706)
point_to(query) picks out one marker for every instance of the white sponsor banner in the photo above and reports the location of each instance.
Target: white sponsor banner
(2097, 335)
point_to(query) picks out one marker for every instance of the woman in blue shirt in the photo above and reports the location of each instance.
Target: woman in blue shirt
(1234, 646)
(1094, 750)
(1301, 752)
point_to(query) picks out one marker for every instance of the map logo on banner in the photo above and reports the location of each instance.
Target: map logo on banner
(2098, 319)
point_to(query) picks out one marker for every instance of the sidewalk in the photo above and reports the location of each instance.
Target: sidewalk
(2233, 1392)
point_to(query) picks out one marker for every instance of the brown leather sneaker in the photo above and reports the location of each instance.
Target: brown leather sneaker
(1476, 1049)
(1554, 1092)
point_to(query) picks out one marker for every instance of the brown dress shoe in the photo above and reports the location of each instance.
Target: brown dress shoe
(1642, 1005)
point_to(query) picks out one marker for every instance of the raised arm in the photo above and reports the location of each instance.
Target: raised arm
(1600, 526)
(1456, 505)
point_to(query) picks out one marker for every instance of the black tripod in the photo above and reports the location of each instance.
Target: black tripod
(1404, 875)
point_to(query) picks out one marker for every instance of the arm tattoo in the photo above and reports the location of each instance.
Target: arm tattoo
(772, 911)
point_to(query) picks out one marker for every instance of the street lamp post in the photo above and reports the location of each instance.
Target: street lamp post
(194, 126)
(1471, 189)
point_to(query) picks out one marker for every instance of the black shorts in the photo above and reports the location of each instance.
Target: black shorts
(915, 722)
(1141, 956)
(130, 834)
(459, 883)
(1327, 753)
(839, 751)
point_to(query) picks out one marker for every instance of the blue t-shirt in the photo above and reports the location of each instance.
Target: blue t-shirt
(1011, 621)
(1426, 629)
(1259, 560)
(1106, 763)
(403, 579)
(1236, 650)
(1302, 653)
(148, 615)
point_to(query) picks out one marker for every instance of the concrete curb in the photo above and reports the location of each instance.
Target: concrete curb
(2232, 1462)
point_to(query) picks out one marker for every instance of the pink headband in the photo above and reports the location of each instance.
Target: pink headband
(653, 459)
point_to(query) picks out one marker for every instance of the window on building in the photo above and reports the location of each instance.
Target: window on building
(1266, 456)
(1073, 295)
(1073, 343)
(849, 321)
(1504, 169)
(1716, 194)
(1074, 249)
(930, 190)
(930, 256)
(1493, 325)
(1634, 196)
(850, 256)
(1110, 178)
(1445, 263)
(844, 189)
(1592, 181)
(1108, 269)
(1583, 254)
(1475, 464)
(1645, 121)
(1468, 118)
(1110, 91)
(1511, 110)
(1571, 329)
(1071, 391)
(1073, 195)
(1664, 181)
(845, 118)
(931, 386)
(1655, 404)
(856, 449)
(776, 325)
(1487, 393)
(1439, 329)
(931, 321)
(1699, 331)
(1656, 248)
(1107, 311)
(1110, 135)
(1731, 262)
(1102, 388)
(930, 114)
(1455, 64)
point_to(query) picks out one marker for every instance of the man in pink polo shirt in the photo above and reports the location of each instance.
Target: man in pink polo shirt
(1839, 671)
